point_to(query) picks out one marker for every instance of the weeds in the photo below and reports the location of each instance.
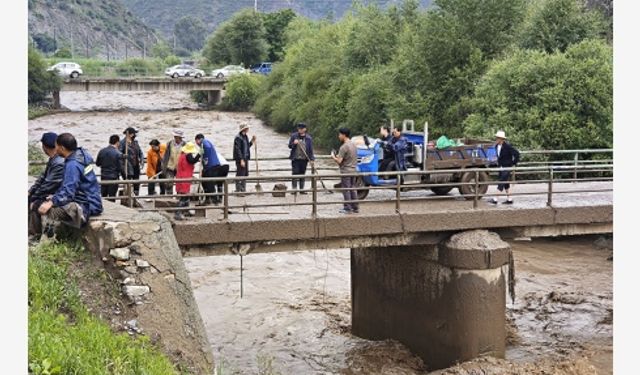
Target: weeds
(64, 338)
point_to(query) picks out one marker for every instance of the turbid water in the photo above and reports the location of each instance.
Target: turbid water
(294, 317)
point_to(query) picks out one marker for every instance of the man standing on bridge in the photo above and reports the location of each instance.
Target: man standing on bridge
(508, 157)
(170, 158)
(347, 159)
(301, 146)
(110, 162)
(211, 167)
(242, 154)
(132, 163)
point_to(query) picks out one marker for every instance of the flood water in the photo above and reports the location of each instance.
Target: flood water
(294, 316)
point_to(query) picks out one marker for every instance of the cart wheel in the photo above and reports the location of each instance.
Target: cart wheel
(441, 190)
(201, 198)
(363, 191)
(470, 189)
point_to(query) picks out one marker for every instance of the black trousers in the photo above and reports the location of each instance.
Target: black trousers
(151, 186)
(504, 176)
(242, 172)
(135, 176)
(298, 167)
(109, 190)
(212, 186)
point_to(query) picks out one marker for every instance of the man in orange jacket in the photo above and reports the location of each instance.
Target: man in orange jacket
(154, 165)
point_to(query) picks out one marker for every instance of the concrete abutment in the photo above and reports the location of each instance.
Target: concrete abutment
(445, 302)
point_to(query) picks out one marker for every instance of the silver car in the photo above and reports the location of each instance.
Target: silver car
(183, 71)
(228, 71)
(67, 69)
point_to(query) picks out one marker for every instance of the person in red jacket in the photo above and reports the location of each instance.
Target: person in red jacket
(187, 160)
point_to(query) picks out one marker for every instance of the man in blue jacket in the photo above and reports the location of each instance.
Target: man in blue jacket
(301, 146)
(47, 184)
(211, 167)
(78, 197)
(399, 148)
(508, 157)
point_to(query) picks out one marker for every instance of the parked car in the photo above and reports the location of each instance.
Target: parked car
(183, 71)
(262, 68)
(67, 69)
(227, 71)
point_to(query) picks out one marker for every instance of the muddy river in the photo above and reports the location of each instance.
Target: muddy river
(294, 316)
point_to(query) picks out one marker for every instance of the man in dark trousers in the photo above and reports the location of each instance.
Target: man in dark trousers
(508, 157)
(110, 162)
(242, 154)
(347, 159)
(301, 146)
(132, 164)
(211, 167)
(47, 184)
(78, 197)
(386, 164)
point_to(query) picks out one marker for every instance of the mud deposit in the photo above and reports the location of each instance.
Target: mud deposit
(296, 312)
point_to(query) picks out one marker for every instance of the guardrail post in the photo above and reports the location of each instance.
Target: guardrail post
(226, 199)
(550, 191)
(398, 194)
(130, 187)
(575, 167)
(475, 193)
(314, 195)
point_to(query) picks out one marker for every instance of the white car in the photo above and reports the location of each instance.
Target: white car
(67, 69)
(228, 71)
(183, 71)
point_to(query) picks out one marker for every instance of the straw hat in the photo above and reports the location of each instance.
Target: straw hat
(177, 133)
(500, 134)
(189, 148)
(243, 126)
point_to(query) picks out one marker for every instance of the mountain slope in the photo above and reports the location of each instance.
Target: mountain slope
(89, 26)
(163, 14)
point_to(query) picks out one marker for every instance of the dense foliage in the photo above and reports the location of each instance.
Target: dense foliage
(40, 81)
(190, 33)
(241, 92)
(438, 66)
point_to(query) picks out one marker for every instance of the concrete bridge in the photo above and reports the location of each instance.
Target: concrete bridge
(214, 86)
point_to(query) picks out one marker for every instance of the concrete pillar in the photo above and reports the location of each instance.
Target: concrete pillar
(446, 302)
(214, 97)
(56, 99)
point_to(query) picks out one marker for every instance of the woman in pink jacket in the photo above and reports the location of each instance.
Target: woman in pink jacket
(187, 160)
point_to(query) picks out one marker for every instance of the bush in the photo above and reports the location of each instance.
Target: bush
(171, 60)
(137, 67)
(40, 81)
(241, 92)
(64, 53)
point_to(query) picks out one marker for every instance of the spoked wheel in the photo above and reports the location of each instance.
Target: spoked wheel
(470, 177)
(175, 75)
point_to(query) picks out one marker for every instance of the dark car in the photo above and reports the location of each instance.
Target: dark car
(261, 68)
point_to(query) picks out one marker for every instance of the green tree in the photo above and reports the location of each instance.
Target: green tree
(549, 101)
(275, 24)
(190, 33)
(241, 40)
(161, 50)
(40, 81)
(372, 39)
(64, 53)
(242, 92)
(45, 43)
(557, 24)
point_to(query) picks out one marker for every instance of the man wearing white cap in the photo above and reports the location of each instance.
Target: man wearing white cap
(170, 159)
(508, 157)
(242, 154)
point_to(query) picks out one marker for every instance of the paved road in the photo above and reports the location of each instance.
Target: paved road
(535, 196)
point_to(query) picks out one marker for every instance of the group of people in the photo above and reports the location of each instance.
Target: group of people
(175, 159)
(67, 190)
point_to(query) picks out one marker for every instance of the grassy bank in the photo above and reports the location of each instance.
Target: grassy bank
(37, 111)
(64, 337)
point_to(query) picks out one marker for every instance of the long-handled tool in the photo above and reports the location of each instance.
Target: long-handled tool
(313, 168)
(258, 186)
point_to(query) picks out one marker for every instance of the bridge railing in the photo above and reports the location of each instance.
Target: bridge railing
(554, 175)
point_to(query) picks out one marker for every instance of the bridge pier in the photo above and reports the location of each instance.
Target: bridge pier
(214, 97)
(445, 302)
(56, 99)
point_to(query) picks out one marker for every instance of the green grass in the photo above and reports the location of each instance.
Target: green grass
(64, 338)
(35, 154)
(37, 111)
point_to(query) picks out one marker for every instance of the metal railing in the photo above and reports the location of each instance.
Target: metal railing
(554, 174)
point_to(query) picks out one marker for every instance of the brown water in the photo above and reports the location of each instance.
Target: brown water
(294, 316)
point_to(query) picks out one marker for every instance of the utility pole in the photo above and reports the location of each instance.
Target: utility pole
(126, 50)
(144, 49)
(107, 44)
(255, 6)
(174, 43)
(71, 36)
(86, 44)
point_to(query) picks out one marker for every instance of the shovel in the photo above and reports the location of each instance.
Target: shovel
(258, 186)
(313, 169)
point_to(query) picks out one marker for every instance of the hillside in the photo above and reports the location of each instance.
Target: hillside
(162, 14)
(89, 26)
